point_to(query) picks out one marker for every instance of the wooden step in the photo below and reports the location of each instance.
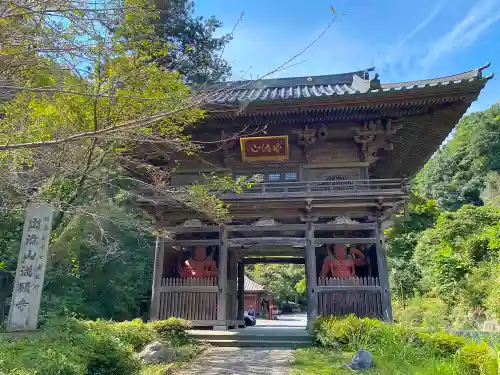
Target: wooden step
(255, 337)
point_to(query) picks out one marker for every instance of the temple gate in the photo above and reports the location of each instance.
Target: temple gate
(330, 156)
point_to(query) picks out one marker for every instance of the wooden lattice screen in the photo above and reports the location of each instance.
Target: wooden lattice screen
(358, 296)
(193, 299)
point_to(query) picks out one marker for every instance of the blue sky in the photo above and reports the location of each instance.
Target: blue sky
(404, 39)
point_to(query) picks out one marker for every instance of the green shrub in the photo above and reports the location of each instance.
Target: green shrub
(440, 343)
(478, 359)
(135, 333)
(109, 356)
(173, 330)
(68, 346)
(407, 345)
(348, 333)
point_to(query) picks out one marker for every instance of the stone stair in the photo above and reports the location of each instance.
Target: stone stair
(255, 337)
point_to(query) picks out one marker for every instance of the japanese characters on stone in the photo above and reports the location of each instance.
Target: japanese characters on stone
(31, 268)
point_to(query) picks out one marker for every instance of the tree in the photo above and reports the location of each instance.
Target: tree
(402, 238)
(462, 246)
(82, 110)
(279, 279)
(457, 174)
(194, 51)
(92, 103)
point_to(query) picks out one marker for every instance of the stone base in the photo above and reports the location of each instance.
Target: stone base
(220, 328)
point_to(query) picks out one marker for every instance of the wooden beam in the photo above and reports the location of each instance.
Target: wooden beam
(312, 194)
(274, 260)
(223, 260)
(383, 276)
(206, 242)
(157, 277)
(354, 240)
(277, 228)
(287, 251)
(203, 228)
(189, 288)
(346, 288)
(266, 241)
(332, 227)
(311, 277)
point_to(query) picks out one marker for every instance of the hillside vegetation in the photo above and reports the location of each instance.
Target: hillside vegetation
(445, 261)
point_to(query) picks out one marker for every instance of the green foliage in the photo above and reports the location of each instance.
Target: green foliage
(478, 358)
(421, 311)
(441, 343)
(402, 238)
(279, 279)
(194, 49)
(415, 351)
(457, 174)
(135, 333)
(74, 347)
(451, 252)
(172, 329)
(109, 356)
(301, 287)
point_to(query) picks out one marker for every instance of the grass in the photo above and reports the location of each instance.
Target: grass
(75, 347)
(324, 361)
(396, 350)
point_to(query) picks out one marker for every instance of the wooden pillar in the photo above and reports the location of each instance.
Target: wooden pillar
(222, 279)
(232, 272)
(311, 276)
(157, 276)
(383, 275)
(241, 290)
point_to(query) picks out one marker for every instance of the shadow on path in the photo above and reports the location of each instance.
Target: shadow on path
(242, 361)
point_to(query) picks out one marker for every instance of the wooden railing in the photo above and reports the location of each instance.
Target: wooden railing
(324, 188)
(360, 296)
(192, 299)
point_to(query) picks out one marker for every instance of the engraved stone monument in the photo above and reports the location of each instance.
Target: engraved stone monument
(28, 284)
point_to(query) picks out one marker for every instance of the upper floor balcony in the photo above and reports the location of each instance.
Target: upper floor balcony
(347, 189)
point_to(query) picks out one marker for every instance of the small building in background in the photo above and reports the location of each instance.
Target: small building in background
(254, 293)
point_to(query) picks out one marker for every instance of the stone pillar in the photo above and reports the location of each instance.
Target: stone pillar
(30, 273)
(311, 276)
(157, 276)
(383, 274)
(222, 281)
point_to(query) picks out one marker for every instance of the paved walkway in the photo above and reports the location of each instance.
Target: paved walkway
(242, 361)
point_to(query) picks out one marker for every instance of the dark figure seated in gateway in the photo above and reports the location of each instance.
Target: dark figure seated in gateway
(341, 263)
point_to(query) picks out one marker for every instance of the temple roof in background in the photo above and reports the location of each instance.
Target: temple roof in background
(252, 286)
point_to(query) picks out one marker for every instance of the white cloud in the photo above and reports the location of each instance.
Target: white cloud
(478, 19)
(396, 52)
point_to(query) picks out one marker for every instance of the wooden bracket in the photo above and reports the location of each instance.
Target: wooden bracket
(227, 144)
(306, 138)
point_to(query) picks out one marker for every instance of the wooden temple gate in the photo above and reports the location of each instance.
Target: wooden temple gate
(330, 154)
(219, 301)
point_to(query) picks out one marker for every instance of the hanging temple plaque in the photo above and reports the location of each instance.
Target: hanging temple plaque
(274, 148)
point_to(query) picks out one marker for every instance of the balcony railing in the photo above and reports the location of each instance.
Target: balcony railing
(341, 188)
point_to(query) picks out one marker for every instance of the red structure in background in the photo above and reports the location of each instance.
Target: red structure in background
(254, 294)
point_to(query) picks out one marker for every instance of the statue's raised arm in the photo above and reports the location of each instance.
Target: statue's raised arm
(358, 257)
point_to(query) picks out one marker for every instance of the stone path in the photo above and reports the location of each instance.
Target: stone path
(242, 361)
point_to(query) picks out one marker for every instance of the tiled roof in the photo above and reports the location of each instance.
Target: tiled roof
(323, 86)
(252, 286)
